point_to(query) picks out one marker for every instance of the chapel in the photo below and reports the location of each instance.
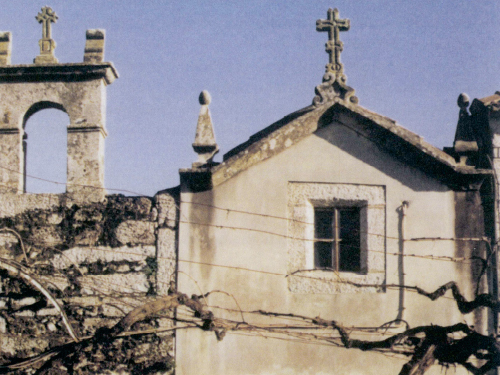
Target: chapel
(328, 229)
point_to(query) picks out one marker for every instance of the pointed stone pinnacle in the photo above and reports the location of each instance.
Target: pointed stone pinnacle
(204, 143)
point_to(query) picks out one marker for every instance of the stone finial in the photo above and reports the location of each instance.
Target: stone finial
(5, 48)
(94, 46)
(465, 143)
(463, 102)
(334, 80)
(204, 143)
(47, 44)
(334, 25)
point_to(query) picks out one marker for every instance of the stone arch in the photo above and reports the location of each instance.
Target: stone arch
(76, 89)
(45, 154)
(39, 106)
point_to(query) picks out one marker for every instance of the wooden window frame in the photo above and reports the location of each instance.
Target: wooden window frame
(336, 240)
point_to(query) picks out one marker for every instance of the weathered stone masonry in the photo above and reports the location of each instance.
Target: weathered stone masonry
(99, 256)
(99, 260)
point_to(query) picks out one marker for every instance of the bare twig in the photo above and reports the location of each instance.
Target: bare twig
(18, 271)
(21, 242)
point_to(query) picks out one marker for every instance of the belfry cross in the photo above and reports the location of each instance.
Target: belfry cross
(47, 44)
(334, 25)
(46, 17)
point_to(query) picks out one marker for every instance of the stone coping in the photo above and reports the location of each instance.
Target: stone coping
(58, 72)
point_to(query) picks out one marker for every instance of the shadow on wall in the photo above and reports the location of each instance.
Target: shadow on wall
(371, 154)
(202, 245)
(45, 147)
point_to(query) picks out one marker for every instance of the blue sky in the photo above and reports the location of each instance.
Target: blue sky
(260, 60)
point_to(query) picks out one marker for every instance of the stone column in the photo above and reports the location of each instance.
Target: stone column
(86, 163)
(11, 160)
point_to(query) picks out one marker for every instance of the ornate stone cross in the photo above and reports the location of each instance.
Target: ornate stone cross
(47, 44)
(334, 80)
(334, 46)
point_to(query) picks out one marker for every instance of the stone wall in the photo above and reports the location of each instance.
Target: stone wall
(98, 261)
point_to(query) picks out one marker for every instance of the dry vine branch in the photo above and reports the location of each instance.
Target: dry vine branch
(20, 239)
(19, 271)
(425, 344)
(465, 307)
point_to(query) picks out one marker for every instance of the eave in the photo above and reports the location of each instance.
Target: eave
(390, 137)
(58, 72)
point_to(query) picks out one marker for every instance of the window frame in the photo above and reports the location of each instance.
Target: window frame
(337, 238)
(303, 198)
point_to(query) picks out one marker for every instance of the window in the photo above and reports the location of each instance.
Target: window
(337, 239)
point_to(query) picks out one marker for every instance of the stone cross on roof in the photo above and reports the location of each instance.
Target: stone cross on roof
(47, 44)
(47, 16)
(334, 46)
(334, 80)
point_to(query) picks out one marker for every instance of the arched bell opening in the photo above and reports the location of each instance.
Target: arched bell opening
(45, 148)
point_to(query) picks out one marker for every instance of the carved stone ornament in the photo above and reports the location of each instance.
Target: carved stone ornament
(333, 87)
(334, 80)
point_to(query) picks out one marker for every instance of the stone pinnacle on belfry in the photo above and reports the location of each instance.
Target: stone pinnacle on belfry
(204, 143)
(47, 44)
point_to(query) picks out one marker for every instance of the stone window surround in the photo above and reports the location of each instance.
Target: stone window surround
(303, 197)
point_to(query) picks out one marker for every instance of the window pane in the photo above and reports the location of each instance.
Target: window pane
(349, 256)
(322, 254)
(323, 219)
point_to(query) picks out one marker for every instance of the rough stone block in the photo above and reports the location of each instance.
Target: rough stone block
(3, 325)
(17, 304)
(134, 232)
(14, 204)
(48, 312)
(8, 247)
(25, 313)
(166, 259)
(87, 237)
(167, 209)
(46, 236)
(119, 283)
(30, 345)
(54, 219)
(112, 311)
(79, 255)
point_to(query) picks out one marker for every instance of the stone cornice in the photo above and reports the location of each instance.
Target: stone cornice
(58, 72)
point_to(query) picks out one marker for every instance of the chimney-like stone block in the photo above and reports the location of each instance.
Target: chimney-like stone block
(94, 46)
(5, 47)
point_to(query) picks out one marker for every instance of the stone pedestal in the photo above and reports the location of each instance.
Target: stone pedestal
(47, 47)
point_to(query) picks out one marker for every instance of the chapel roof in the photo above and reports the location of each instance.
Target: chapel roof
(336, 104)
(392, 138)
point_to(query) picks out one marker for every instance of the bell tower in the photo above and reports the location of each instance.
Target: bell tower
(79, 89)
